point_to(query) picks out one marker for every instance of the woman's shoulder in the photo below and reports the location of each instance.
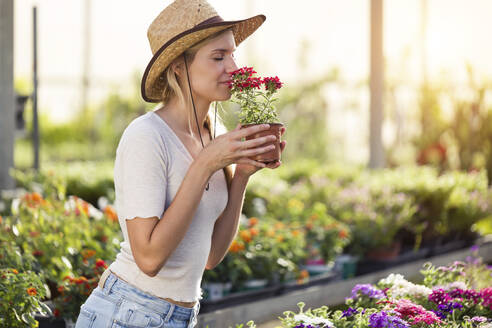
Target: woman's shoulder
(142, 130)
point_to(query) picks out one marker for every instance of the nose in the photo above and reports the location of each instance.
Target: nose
(231, 65)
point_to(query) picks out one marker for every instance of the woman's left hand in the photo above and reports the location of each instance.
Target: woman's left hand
(248, 170)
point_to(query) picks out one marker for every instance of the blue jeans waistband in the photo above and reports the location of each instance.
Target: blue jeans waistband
(109, 282)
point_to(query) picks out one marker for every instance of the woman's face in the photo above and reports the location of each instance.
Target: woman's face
(210, 69)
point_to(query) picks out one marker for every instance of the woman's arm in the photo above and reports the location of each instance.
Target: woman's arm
(226, 226)
(153, 241)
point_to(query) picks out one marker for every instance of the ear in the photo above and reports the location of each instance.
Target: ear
(177, 67)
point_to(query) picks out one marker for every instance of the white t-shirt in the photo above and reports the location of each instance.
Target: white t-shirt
(151, 162)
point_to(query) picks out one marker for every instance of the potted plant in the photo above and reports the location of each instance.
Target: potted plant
(21, 288)
(257, 106)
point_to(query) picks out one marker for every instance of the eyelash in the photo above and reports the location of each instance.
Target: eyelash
(222, 58)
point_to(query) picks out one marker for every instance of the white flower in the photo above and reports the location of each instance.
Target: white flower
(14, 207)
(452, 286)
(313, 321)
(402, 287)
(392, 279)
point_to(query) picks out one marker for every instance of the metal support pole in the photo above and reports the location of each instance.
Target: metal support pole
(35, 122)
(7, 97)
(376, 157)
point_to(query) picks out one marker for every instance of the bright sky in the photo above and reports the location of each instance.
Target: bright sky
(337, 32)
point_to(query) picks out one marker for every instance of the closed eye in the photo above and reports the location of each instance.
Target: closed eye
(218, 59)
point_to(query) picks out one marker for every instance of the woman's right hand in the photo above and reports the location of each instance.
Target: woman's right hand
(229, 148)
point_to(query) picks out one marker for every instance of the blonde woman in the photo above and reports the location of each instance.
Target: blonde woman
(177, 196)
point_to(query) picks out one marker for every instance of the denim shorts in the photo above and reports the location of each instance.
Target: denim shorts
(117, 304)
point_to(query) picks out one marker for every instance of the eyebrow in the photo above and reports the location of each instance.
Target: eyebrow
(223, 50)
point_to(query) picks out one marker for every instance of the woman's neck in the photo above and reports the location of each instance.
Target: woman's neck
(183, 117)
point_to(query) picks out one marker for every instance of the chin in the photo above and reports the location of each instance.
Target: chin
(223, 96)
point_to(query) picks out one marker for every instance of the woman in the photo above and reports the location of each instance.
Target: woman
(177, 197)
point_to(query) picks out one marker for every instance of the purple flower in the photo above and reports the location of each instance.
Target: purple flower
(479, 319)
(439, 314)
(439, 296)
(349, 312)
(449, 307)
(383, 320)
(474, 248)
(368, 290)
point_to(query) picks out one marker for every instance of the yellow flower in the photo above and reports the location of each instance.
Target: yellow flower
(295, 204)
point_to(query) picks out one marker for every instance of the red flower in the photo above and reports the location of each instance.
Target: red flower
(38, 253)
(100, 263)
(56, 312)
(272, 83)
(244, 72)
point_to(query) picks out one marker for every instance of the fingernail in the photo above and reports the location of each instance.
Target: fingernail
(266, 125)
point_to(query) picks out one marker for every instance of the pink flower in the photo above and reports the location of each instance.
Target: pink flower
(414, 313)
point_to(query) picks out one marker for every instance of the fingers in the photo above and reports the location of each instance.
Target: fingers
(255, 142)
(251, 162)
(255, 151)
(242, 133)
(282, 145)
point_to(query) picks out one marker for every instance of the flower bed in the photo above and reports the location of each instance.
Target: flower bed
(457, 295)
(298, 225)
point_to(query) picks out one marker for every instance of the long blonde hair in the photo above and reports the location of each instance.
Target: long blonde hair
(173, 89)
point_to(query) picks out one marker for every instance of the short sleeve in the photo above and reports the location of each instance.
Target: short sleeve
(143, 175)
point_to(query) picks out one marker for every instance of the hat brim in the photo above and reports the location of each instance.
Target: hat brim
(152, 82)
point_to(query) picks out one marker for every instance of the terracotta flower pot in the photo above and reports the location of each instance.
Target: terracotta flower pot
(274, 154)
(385, 253)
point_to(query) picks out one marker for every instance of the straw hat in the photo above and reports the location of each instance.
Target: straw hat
(178, 27)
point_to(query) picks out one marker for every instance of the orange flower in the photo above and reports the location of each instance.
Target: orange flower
(80, 280)
(236, 247)
(88, 253)
(295, 233)
(270, 233)
(245, 236)
(1, 219)
(280, 238)
(85, 207)
(15, 271)
(254, 232)
(32, 291)
(111, 213)
(61, 289)
(343, 234)
(279, 225)
(253, 221)
(36, 197)
(314, 217)
(303, 274)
